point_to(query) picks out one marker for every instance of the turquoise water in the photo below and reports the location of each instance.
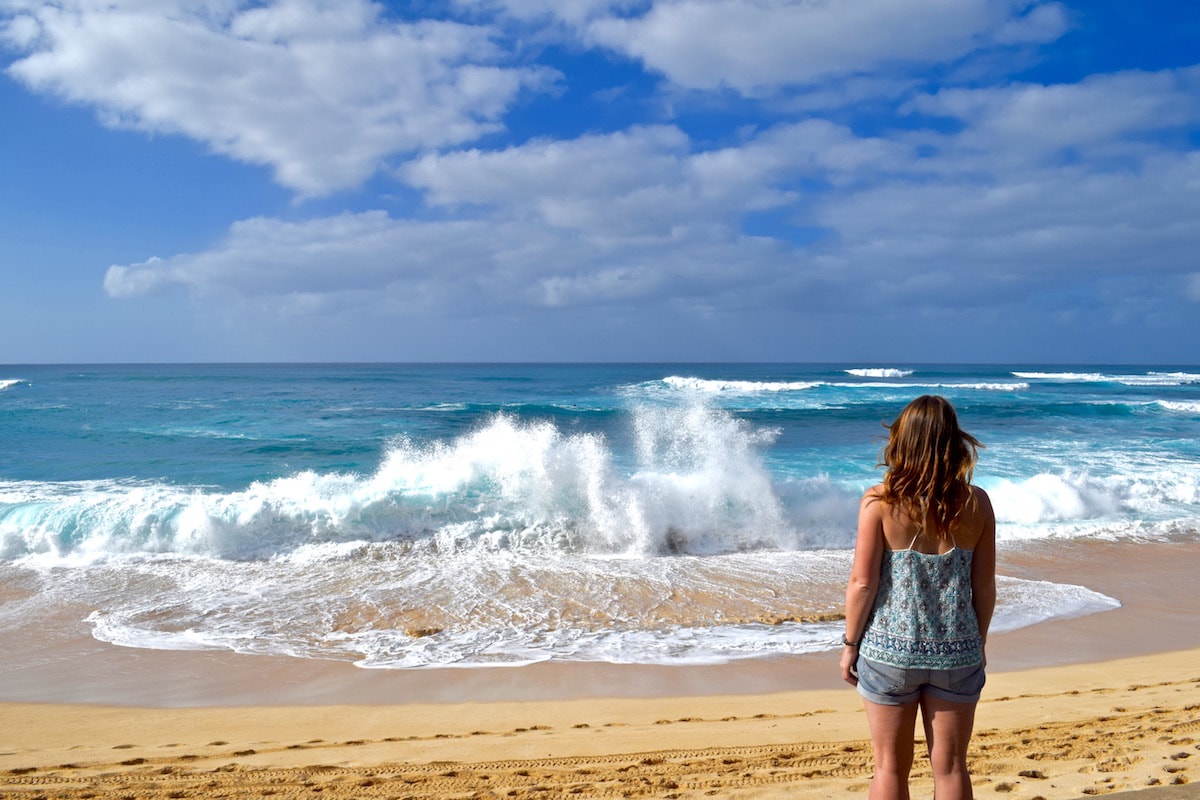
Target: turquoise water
(649, 513)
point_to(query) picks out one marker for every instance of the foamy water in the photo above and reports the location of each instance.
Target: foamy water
(403, 517)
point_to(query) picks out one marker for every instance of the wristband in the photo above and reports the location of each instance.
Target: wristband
(849, 643)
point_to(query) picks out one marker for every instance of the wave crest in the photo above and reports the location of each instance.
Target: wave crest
(1078, 503)
(693, 482)
(1146, 379)
(880, 372)
(712, 386)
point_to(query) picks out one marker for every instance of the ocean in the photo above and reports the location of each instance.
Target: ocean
(410, 516)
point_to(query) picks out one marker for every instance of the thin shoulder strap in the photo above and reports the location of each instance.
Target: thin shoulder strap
(914, 541)
(970, 499)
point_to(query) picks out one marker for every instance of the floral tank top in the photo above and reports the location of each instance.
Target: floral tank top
(923, 616)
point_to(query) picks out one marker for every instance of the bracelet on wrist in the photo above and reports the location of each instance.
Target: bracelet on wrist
(849, 643)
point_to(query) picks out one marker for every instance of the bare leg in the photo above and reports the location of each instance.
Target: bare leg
(892, 740)
(948, 731)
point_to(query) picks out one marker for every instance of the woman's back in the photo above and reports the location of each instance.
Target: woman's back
(969, 525)
(923, 616)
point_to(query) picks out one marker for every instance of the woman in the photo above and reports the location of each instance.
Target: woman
(920, 599)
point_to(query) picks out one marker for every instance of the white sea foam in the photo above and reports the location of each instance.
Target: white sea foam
(689, 480)
(1147, 379)
(696, 483)
(248, 610)
(708, 386)
(6, 383)
(1021, 603)
(982, 386)
(339, 567)
(736, 387)
(1185, 407)
(1082, 377)
(1179, 406)
(1145, 501)
(880, 372)
(1161, 379)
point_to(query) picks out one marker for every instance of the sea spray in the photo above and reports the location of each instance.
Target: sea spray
(696, 484)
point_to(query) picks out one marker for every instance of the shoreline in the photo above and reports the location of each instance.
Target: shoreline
(1099, 704)
(1158, 614)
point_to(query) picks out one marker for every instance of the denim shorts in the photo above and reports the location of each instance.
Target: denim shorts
(897, 686)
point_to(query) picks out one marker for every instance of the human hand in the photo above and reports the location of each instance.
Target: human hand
(850, 665)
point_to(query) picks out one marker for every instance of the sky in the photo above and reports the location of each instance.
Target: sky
(867, 181)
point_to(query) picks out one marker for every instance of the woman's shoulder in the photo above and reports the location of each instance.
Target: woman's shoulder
(873, 499)
(976, 519)
(871, 506)
(979, 498)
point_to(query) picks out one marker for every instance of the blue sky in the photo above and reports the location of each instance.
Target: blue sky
(528, 180)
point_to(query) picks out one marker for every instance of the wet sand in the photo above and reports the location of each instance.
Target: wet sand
(1073, 708)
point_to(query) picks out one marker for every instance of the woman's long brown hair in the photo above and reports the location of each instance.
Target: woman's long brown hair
(930, 461)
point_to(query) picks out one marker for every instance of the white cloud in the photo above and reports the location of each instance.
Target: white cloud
(1050, 194)
(1014, 237)
(454, 268)
(641, 216)
(619, 184)
(20, 33)
(320, 91)
(1046, 189)
(272, 257)
(1044, 186)
(629, 217)
(1102, 116)
(754, 46)
(646, 182)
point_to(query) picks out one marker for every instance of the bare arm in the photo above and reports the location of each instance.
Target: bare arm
(864, 577)
(983, 565)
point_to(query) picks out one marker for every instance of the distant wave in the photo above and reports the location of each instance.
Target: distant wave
(709, 386)
(1082, 377)
(987, 386)
(880, 372)
(715, 386)
(1186, 407)
(1148, 379)
(1179, 406)
(6, 383)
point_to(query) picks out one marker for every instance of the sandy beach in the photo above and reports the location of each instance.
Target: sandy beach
(1104, 704)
